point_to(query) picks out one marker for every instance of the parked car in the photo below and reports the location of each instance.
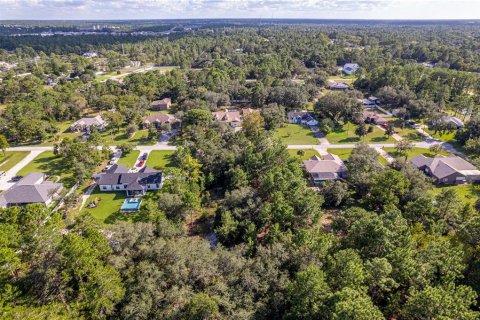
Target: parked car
(141, 163)
(144, 156)
(16, 178)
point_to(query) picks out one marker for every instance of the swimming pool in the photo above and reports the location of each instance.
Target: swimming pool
(131, 204)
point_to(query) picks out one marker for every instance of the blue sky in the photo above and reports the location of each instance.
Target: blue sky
(165, 9)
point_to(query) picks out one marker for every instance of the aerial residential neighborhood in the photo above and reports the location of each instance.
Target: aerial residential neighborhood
(320, 163)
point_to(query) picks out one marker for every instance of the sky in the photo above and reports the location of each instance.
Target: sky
(185, 9)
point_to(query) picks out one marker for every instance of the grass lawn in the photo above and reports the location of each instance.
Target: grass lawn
(343, 153)
(414, 152)
(50, 164)
(447, 136)
(346, 134)
(11, 158)
(407, 132)
(112, 139)
(160, 159)
(128, 160)
(469, 192)
(108, 206)
(343, 78)
(295, 134)
(308, 154)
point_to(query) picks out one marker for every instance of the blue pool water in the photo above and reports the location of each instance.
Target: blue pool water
(131, 204)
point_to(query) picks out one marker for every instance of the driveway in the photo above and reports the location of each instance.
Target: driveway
(5, 182)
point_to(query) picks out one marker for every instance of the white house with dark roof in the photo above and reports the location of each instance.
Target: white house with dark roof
(118, 178)
(33, 188)
(350, 68)
(302, 117)
(447, 169)
(329, 167)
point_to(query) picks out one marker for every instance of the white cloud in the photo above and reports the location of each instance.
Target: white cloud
(142, 9)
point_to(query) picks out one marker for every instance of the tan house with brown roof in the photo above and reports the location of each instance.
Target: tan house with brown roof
(163, 104)
(158, 119)
(329, 167)
(447, 169)
(233, 117)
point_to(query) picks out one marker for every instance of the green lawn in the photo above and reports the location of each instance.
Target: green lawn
(160, 159)
(414, 152)
(447, 136)
(128, 160)
(407, 132)
(11, 158)
(343, 153)
(294, 134)
(346, 134)
(469, 192)
(50, 164)
(308, 154)
(108, 206)
(111, 138)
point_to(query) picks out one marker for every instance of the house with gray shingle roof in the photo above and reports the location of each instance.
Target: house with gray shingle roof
(118, 178)
(86, 124)
(34, 188)
(329, 167)
(447, 169)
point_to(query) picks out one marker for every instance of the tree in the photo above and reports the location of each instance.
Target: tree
(403, 147)
(361, 130)
(362, 166)
(131, 129)
(202, 307)
(125, 148)
(354, 304)
(441, 303)
(337, 106)
(197, 117)
(3, 143)
(436, 148)
(308, 294)
(253, 124)
(274, 116)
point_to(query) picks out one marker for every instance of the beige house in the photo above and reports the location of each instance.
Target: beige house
(329, 167)
(157, 120)
(233, 117)
(86, 124)
(163, 104)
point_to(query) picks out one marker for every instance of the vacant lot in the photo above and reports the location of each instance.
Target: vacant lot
(49, 163)
(11, 158)
(346, 134)
(160, 159)
(294, 134)
(413, 153)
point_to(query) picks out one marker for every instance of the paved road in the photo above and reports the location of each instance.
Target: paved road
(5, 182)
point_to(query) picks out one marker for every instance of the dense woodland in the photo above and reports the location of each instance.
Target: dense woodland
(235, 233)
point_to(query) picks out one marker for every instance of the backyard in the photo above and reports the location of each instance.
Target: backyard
(294, 134)
(108, 205)
(47, 162)
(160, 159)
(469, 192)
(10, 158)
(346, 134)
